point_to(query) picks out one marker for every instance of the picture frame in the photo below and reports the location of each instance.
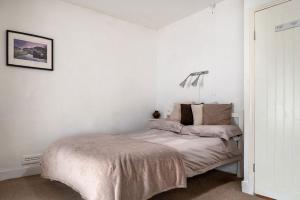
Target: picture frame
(29, 51)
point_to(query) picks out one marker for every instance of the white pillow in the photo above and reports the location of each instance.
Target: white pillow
(176, 113)
(197, 114)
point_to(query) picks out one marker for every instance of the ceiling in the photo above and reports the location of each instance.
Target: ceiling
(150, 13)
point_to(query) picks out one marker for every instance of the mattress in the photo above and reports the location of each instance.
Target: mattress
(199, 154)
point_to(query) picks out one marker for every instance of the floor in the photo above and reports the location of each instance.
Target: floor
(214, 185)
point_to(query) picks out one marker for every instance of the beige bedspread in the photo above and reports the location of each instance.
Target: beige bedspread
(113, 167)
(199, 154)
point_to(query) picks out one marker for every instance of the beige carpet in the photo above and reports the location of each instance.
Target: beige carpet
(213, 185)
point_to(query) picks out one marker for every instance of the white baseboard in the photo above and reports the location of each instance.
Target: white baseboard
(36, 169)
(19, 172)
(247, 187)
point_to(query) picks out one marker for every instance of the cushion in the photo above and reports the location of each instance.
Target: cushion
(176, 113)
(221, 131)
(217, 114)
(186, 114)
(197, 114)
(167, 125)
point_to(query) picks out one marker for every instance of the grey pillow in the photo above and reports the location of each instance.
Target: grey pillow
(221, 131)
(217, 114)
(167, 125)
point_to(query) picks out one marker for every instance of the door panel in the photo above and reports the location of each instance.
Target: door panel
(277, 103)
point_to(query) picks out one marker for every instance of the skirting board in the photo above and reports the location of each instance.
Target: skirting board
(36, 169)
(247, 187)
(20, 172)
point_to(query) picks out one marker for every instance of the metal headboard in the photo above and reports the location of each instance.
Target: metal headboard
(237, 119)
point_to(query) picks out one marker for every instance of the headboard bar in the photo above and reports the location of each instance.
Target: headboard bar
(238, 119)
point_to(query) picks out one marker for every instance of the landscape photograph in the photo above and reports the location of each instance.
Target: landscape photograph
(31, 51)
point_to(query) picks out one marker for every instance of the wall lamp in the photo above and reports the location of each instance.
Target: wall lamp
(195, 82)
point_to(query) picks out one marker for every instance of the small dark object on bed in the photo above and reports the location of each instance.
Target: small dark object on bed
(156, 114)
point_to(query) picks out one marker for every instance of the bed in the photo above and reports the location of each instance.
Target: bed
(199, 154)
(135, 166)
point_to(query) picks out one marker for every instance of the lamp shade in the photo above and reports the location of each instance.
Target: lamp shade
(182, 84)
(195, 82)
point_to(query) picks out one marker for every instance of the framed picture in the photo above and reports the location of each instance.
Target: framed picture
(29, 51)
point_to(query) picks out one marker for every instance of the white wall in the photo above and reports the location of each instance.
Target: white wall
(203, 42)
(103, 80)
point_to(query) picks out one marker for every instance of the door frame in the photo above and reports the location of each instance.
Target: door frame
(248, 184)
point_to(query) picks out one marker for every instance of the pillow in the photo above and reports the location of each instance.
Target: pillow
(197, 114)
(217, 114)
(186, 114)
(176, 113)
(221, 131)
(166, 125)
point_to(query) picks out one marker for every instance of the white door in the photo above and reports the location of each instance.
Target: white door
(277, 101)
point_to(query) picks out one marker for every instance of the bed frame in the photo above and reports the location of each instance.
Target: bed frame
(236, 167)
(238, 120)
